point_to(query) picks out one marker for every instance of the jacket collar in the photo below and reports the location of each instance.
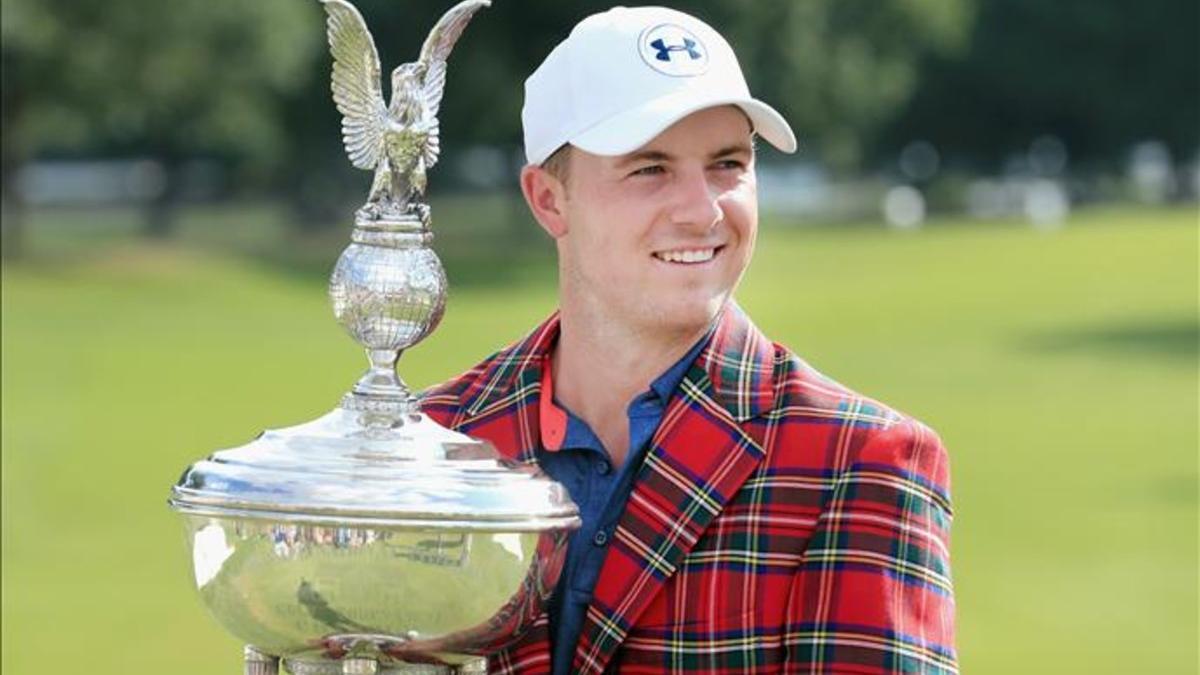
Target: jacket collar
(738, 362)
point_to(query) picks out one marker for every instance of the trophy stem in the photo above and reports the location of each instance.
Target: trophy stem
(258, 663)
(381, 379)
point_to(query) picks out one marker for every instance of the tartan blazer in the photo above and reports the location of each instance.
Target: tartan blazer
(778, 523)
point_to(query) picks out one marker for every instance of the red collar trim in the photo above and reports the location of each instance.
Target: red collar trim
(551, 418)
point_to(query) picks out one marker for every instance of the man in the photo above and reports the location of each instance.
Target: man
(741, 512)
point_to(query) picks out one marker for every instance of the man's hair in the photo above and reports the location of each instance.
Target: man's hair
(559, 162)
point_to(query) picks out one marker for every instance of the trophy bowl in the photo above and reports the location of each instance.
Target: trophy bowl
(407, 547)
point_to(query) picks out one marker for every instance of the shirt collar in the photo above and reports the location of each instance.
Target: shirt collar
(554, 420)
(666, 384)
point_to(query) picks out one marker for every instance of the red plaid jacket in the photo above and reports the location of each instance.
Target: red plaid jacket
(779, 522)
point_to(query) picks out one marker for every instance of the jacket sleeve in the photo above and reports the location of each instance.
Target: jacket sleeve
(873, 592)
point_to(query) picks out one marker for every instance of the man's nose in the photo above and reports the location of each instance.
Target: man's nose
(697, 201)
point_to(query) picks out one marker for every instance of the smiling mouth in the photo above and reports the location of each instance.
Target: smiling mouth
(688, 256)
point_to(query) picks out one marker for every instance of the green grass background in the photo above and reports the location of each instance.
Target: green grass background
(1060, 368)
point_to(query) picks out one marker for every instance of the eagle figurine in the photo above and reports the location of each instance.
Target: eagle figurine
(399, 141)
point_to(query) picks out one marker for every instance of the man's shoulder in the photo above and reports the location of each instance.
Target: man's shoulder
(848, 429)
(445, 400)
(801, 388)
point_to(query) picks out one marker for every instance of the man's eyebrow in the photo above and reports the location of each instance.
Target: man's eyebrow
(660, 156)
(644, 156)
(735, 149)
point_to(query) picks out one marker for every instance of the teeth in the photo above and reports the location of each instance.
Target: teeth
(693, 255)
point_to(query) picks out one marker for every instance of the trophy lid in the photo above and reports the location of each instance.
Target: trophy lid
(336, 471)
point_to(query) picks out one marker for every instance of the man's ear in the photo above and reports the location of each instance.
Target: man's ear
(547, 197)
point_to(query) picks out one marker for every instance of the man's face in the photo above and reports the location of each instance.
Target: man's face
(658, 239)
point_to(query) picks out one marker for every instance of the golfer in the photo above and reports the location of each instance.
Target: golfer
(742, 513)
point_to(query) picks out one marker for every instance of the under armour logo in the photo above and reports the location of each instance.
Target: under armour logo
(658, 46)
(664, 50)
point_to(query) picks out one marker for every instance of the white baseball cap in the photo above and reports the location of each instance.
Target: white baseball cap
(623, 76)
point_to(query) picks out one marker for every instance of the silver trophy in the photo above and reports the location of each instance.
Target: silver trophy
(372, 539)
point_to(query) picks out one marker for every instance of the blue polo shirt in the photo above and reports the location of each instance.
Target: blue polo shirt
(572, 454)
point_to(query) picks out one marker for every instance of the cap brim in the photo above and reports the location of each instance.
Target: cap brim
(629, 130)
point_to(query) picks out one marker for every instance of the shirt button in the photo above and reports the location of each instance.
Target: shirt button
(603, 467)
(600, 538)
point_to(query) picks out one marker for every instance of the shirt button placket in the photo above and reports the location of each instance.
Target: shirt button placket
(600, 538)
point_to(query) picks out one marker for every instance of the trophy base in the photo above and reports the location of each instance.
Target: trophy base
(258, 663)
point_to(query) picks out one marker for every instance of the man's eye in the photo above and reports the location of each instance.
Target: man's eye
(728, 164)
(648, 170)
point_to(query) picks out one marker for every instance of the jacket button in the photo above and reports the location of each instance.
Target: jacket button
(600, 538)
(603, 467)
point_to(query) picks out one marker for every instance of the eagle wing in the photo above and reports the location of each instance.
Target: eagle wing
(356, 84)
(434, 54)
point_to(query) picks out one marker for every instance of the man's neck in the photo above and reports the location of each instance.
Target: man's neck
(600, 366)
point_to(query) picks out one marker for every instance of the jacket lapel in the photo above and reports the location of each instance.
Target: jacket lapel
(699, 458)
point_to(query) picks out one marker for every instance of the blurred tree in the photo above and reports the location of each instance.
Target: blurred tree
(1097, 74)
(175, 79)
(840, 69)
